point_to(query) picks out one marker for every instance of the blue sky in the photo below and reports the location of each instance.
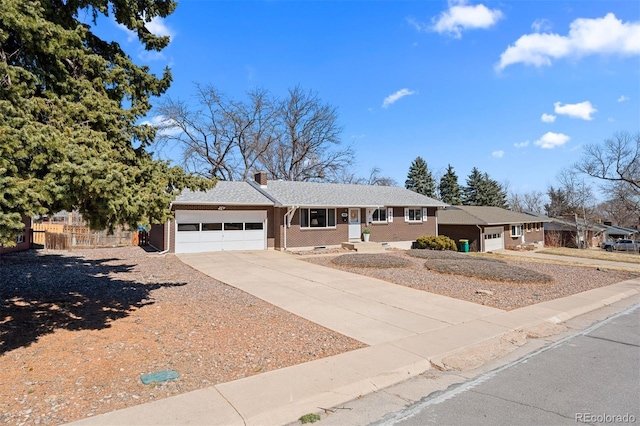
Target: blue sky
(515, 88)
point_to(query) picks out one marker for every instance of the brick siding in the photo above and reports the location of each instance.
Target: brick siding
(398, 230)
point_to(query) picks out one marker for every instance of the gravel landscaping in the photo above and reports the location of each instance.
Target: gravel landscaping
(79, 329)
(450, 262)
(528, 284)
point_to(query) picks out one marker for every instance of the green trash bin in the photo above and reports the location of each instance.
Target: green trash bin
(464, 246)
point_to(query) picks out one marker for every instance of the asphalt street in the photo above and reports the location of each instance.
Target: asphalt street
(591, 377)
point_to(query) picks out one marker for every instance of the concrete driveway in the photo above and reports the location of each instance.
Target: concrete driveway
(409, 331)
(366, 309)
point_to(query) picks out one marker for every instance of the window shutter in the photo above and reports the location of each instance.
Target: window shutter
(424, 214)
(406, 214)
(390, 214)
(369, 215)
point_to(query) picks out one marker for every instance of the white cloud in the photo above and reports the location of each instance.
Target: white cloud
(131, 35)
(521, 144)
(460, 17)
(393, 98)
(541, 25)
(623, 98)
(151, 55)
(163, 125)
(548, 118)
(158, 27)
(600, 36)
(551, 140)
(582, 110)
(419, 26)
(498, 154)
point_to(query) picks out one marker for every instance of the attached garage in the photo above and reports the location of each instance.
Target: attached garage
(219, 230)
(493, 238)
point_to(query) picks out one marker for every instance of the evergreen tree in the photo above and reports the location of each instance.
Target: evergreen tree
(491, 193)
(481, 190)
(69, 104)
(450, 191)
(473, 187)
(420, 179)
(558, 203)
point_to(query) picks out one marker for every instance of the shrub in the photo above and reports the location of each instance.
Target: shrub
(440, 242)
(309, 418)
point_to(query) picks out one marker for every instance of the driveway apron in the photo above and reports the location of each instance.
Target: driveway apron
(366, 309)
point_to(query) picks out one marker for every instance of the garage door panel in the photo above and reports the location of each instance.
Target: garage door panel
(220, 230)
(493, 238)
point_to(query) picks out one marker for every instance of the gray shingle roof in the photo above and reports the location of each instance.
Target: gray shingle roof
(229, 193)
(483, 215)
(315, 194)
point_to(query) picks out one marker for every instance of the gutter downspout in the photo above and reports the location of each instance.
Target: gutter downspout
(287, 222)
(480, 240)
(168, 238)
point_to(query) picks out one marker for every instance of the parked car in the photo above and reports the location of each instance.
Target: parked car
(622, 245)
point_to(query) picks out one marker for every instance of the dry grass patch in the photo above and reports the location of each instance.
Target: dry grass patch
(598, 254)
(371, 260)
(463, 264)
(488, 269)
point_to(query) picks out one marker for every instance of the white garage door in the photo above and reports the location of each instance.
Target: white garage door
(493, 238)
(200, 231)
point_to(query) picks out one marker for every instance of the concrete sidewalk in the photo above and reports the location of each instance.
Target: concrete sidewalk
(409, 332)
(571, 259)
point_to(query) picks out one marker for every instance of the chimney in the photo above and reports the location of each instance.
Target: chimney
(261, 178)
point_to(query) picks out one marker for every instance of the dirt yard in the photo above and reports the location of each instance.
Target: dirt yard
(505, 284)
(79, 329)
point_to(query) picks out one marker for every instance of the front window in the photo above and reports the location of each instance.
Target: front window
(516, 230)
(415, 215)
(317, 218)
(379, 215)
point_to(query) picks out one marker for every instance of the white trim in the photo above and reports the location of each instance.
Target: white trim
(516, 228)
(390, 214)
(371, 212)
(309, 227)
(406, 215)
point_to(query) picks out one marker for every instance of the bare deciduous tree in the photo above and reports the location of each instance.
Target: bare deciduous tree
(515, 202)
(309, 148)
(533, 201)
(616, 162)
(374, 178)
(294, 139)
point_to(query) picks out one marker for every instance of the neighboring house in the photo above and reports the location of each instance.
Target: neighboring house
(23, 239)
(563, 232)
(490, 228)
(263, 214)
(612, 232)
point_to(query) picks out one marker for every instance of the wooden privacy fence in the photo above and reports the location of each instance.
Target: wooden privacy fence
(81, 236)
(39, 230)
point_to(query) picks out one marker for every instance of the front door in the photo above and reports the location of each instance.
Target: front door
(354, 224)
